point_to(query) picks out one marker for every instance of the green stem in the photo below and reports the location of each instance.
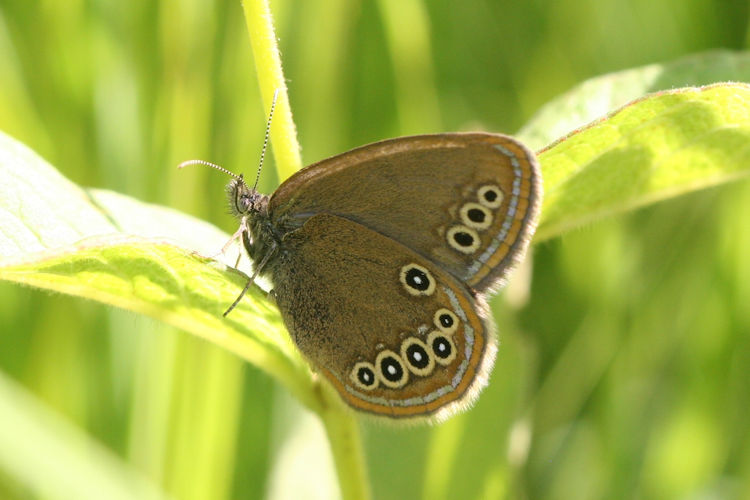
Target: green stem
(340, 423)
(271, 78)
(344, 436)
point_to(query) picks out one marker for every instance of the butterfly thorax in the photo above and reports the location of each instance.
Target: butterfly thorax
(251, 207)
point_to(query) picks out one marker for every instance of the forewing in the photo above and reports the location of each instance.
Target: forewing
(429, 193)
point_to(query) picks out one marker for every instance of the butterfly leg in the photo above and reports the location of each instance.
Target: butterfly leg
(237, 237)
(257, 270)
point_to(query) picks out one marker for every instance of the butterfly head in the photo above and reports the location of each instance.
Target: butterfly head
(244, 201)
(256, 231)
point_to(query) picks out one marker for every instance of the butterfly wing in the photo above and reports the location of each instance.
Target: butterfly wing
(466, 202)
(394, 334)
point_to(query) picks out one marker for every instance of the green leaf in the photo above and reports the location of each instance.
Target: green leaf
(598, 96)
(113, 249)
(41, 210)
(656, 147)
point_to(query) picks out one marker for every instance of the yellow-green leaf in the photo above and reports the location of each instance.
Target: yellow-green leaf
(659, 146)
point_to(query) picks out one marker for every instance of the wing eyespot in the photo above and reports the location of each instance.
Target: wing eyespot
(391, 370)
(475, 215)
(417, 356)
(490, 195)
(463, 238)
(445, 320)
(417, 280)
(364, 376)
(442, 347)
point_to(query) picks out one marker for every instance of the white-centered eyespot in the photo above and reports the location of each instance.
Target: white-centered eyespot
(462, 238)
(417, 356)
(490, 196)
(442, 347)
(364, 377)
(417, 280)
(446, 321)
(391, 369)
(475, 215)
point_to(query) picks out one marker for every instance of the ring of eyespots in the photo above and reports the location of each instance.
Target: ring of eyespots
(416, 356)
(475, 217)
(417, 280)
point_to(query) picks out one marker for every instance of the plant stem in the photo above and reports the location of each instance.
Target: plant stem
(344, 436)
(271, 78)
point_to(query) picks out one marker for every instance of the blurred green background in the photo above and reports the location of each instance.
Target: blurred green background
(624, 368)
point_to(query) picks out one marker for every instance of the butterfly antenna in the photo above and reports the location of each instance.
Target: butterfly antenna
(208, 164)
(265, 141)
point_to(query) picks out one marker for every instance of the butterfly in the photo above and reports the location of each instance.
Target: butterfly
(382, 258)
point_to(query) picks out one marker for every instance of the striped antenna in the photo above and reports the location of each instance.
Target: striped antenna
(208, 164)
(265, 141)
(262, 153)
